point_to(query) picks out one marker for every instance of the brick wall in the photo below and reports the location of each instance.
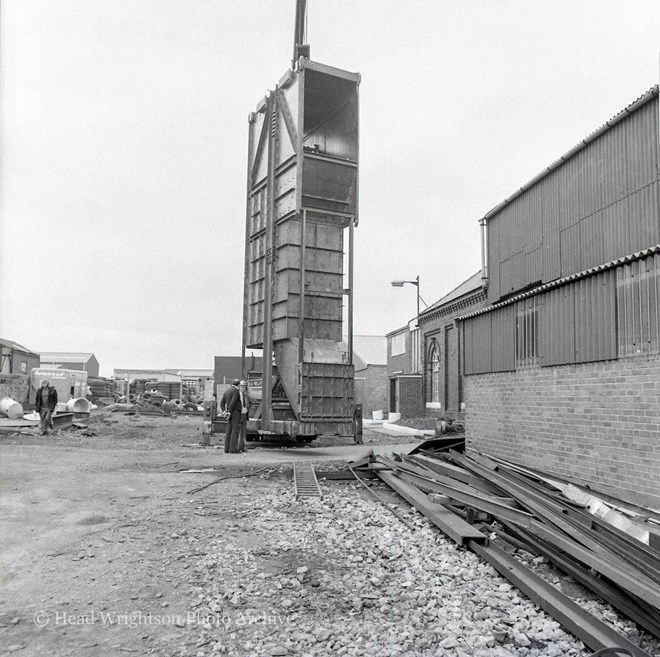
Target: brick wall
(597, 423)
(400, 363)
(410, 396)
(372, 393)
(441, 328)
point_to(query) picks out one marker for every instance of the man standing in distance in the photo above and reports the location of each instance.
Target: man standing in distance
(45, 403)
(231, 405)
(245, 409)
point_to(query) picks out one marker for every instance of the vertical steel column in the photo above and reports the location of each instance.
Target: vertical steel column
(484, 271)
(301, 310)
(300, 161)
(351, 238)
(246, 271)
(267, 382)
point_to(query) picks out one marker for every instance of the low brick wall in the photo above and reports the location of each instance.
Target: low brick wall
(597, 423)
(410, 396)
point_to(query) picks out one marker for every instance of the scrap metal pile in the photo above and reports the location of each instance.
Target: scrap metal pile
(474, 498)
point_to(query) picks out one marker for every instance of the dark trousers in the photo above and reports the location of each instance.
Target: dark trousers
(243, 432)
(46, 417)
(233, 431)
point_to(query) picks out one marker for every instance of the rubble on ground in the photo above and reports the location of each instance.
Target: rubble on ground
(343, 576)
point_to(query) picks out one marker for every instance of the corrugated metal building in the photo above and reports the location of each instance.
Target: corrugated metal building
(84, 362)
(146, 374)
(563, 369)
(193, 379)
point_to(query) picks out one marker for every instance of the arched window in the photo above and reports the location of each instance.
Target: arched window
(434, 365)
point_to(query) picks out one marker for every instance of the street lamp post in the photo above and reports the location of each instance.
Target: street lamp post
(416, 284)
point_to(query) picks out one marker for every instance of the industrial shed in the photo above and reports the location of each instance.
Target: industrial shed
(16, 359)
(83, 362)
(562, 370)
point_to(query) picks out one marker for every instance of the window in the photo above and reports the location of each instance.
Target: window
(434, 365)
(527, 332)
(638, 307)
(23, 367)
(398, 344)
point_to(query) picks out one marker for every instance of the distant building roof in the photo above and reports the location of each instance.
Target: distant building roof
(136, 372)
(370, 349)
(401, 329)
(14, 345)
(190, 373)
(470, 285)
(65, 357)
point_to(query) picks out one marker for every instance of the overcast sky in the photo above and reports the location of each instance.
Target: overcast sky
(124, 137)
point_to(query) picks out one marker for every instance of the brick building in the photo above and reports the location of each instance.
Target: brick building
(404, 371)
(562, 370)
(443, 381)
(370, 362)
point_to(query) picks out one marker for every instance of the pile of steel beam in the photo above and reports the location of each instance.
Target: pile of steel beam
(472, 498)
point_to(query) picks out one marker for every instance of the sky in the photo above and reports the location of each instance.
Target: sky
(124, 144)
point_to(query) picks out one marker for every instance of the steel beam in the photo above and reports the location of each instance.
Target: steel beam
(594, 633)
(622, 601)
(449, 523)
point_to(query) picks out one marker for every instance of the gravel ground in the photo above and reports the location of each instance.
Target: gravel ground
(343, 576)
(131, 546)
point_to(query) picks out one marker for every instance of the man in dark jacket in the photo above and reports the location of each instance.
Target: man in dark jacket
(45, 403)
(246, 401)
(231, 405)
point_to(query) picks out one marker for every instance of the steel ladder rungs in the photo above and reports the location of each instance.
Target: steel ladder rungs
(304, 480)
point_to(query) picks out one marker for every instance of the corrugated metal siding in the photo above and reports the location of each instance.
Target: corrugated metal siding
(616, 230)
(642, 147)
(613, 144)
(549, 193)
(558, 327)
(638, 310)
(478, 346)
(595, 329)
(467, 347)
(503, 340)
(570, 251)
(644, 213)
(591, 236)
(610, 189)
(612, 313)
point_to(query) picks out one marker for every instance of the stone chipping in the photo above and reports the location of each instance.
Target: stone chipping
(342, 576)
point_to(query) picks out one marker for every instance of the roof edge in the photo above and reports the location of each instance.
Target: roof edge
(640, 255)
(627, 111)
